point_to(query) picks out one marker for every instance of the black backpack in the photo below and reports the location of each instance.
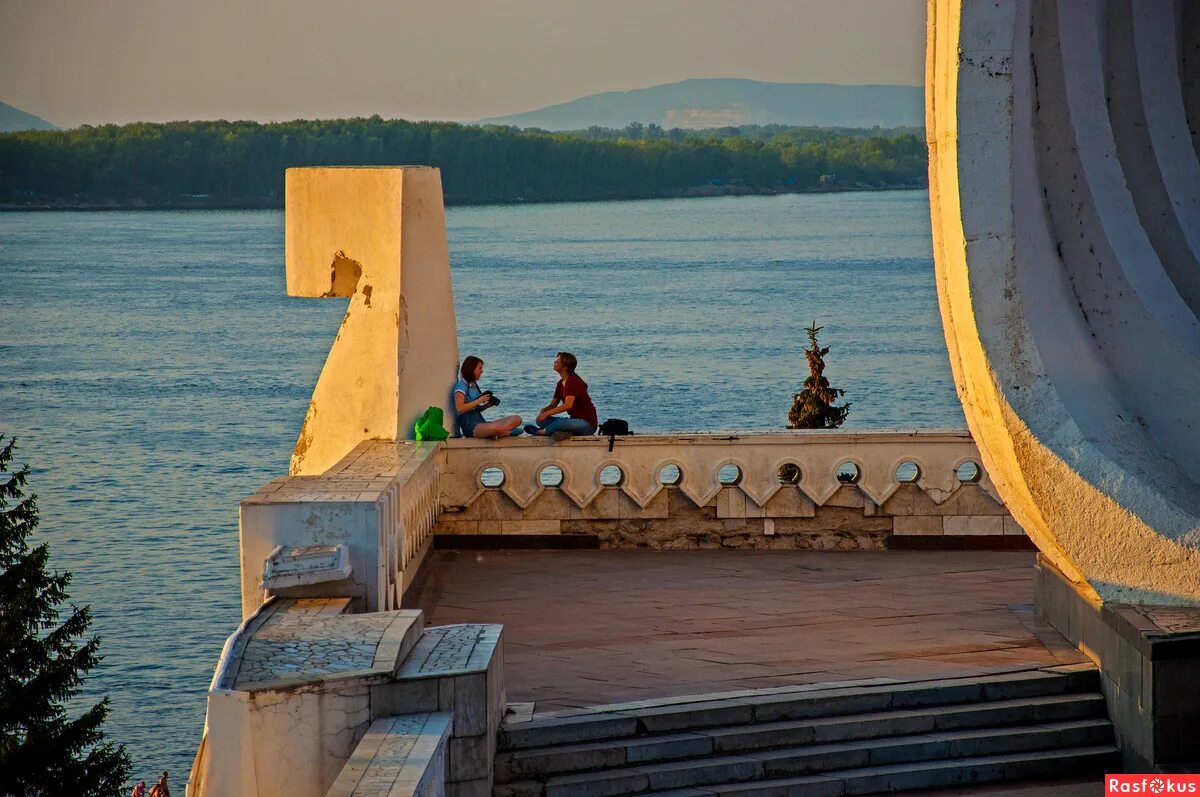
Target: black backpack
(613, 427)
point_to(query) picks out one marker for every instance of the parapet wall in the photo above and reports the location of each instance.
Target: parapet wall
(760, 490)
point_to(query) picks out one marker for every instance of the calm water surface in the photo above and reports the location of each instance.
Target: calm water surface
(156, 373)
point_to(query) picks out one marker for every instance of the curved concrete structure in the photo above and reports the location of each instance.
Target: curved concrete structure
(378, 236)
(1065, 198)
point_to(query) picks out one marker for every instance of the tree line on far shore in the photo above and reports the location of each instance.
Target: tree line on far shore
(241, 164)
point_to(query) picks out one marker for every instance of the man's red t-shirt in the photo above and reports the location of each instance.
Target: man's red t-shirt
(583, 408)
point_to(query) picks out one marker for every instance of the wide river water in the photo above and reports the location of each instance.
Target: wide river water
(155, 373)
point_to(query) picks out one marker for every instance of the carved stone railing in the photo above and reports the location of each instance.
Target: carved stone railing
(380, 500)
(834, 490)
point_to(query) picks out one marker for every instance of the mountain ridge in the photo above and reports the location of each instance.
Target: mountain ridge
(14, 119)
(730, 102)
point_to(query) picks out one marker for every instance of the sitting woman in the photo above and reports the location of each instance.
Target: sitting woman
(470, 402)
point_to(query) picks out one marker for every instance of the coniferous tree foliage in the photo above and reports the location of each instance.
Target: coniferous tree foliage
(42, 663)
(813, 407)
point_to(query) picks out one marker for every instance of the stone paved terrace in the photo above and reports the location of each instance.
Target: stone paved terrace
(597, 627)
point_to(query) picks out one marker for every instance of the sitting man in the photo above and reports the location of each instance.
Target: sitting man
(570, 398)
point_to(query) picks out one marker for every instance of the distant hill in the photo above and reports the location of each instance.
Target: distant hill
(727, 102)
(12, 119)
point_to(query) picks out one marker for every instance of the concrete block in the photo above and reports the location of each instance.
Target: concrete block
(895, 751)
(524, 788)
(667, 747)
(973, 525)
(491, 505)
(445, 694)
(753, 737)
(811, 786)
(681, 774)
(847, 496)
(470, 705)
(404, 697)
(549, 505)
(606, 505)
(598, 784)
(924, 525)
(694, 715)
(790, 501)
(542, 733)
(971, 499)
(530, 526)
(772, 708)
(469, 759)
(457, 527)
(731, 503)
(469, 788)
(542, 763)
(1012, 527)
(814, 759)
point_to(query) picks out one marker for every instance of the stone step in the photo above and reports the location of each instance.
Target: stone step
(815, 759)
(949, 773)
(773, 706)
(539, 763)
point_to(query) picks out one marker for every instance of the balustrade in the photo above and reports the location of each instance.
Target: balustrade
(801, 489)
(381, 500)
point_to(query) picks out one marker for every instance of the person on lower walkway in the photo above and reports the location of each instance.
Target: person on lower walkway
(161, 789)
(470, 402)
(571, 411)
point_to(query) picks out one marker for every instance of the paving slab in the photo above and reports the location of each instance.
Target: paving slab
(586, 628)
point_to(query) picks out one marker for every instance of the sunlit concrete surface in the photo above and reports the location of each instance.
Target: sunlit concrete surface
(378, 236)
(1065, 201)
(597, 627)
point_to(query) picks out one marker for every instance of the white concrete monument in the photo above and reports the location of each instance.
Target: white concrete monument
(378, 236)
(1065, 197)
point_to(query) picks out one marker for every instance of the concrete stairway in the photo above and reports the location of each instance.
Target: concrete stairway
(813, 741)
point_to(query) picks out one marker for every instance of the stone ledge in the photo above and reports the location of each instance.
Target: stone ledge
(401, 756)
(451, 650)
(290, 645)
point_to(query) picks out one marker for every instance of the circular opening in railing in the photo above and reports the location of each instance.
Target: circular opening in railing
(729, 475)
(907, 472)
(491, 477)
(968, 472)
(551, 476)
(670, 475)
(848, 473)
(611, 476)
(789, 473)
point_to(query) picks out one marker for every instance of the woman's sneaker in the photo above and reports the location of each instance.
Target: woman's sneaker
(531, 429)
(560, 436)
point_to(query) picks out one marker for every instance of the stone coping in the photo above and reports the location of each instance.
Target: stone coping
(295, 642)
(394, 756)
(789, 437)
(451, 650)
(365, 474)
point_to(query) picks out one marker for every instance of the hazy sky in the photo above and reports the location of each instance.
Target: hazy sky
(91, 61)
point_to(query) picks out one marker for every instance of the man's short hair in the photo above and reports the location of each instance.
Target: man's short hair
(568, 360)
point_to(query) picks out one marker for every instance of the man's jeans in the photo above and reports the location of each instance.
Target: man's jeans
(561, 423)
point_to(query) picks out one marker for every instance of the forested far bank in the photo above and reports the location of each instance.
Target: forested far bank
(241, 164)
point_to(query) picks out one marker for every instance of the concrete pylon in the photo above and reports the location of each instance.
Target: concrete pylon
(378, 236)
(1065, 198)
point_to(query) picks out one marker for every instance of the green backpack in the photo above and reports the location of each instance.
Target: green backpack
(429, 426)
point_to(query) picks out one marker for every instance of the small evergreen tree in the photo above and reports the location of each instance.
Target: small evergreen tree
(42, 751)
(812, 407)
